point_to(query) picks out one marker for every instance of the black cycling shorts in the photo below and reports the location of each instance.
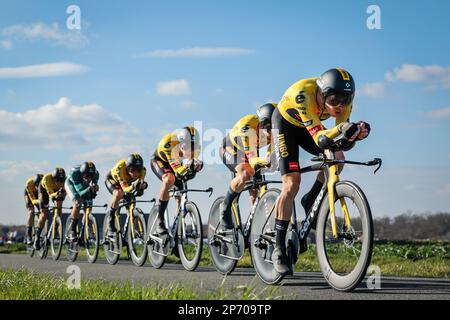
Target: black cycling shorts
(161, 167)
(287, 138)
(111, 184)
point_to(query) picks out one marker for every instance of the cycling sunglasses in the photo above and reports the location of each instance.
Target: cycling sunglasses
(338, 99)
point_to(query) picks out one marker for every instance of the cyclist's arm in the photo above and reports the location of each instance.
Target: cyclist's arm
(316, 128)
(73, 188)
(143, 173)
(345, 116)
(31, 194)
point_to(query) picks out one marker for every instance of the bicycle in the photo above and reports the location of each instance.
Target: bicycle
(186, 236)
(334, 224)
(133, 233)
(227, 247)
(86, 234)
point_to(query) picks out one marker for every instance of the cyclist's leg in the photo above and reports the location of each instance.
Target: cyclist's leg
(286, 148)
(307, 143)
(30, 216)
(166, 175)
(236, 162)
(77, 202)
(117, 195)
(43, 204)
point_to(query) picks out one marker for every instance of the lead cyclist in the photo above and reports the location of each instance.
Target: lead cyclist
(297, 121)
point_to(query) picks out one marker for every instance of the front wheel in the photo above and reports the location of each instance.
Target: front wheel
(344, 260)
(56, 238)
(190, 237)
(136, 238)
(91, 239)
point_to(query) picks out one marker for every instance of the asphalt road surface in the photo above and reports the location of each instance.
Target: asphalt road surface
(303, 285)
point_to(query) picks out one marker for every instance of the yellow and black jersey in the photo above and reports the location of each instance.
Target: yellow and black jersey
(168, 151)
(298, 106)
(119, 175)
(49, 184)
(245, 136)
(32, 191)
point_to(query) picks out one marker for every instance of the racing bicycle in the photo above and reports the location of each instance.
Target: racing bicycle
(343, 220)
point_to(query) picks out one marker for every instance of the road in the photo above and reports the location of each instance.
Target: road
(303, 285)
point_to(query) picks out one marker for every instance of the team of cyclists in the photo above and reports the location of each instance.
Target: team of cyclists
(281, 128)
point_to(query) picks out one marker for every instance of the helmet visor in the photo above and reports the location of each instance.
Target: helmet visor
(339, 99)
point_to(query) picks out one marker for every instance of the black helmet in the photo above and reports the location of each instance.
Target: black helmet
(264, 114)
(134, 161)
(88, 168)
(37, 179)
(59, 174)
(336, 81)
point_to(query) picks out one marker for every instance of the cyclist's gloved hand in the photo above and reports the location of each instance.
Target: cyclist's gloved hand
(144, 185)
(364, 130)
(350, 130)
(198, 165)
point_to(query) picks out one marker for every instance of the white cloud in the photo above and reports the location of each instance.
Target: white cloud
(198, 52)
(439, 113)
(43, 70)
(6, 44)
(50, 33)
(59, 125)
(433, 75)
(173, 88)
(371, 90)
(10, 170)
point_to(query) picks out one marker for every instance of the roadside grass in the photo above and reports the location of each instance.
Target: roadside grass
(394, 258)
(25, 285)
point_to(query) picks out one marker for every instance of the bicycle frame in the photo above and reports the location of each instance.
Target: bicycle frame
(330, 168)
(129, 205)
(181, 212)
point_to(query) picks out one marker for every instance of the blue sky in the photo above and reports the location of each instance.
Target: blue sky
(139, 69)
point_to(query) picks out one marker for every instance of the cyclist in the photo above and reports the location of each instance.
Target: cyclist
(80, 184)
(240, 153)
(126, 177)
(31, 201)
(297, 122)
(50, 188)
(175, 159)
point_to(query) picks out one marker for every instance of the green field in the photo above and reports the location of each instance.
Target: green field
(25, 285)
(399, 258)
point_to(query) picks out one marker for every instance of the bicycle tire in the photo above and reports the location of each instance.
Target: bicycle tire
(138, 260)
(191, 265)
(92, 226)
(353, 279)
(59, 231)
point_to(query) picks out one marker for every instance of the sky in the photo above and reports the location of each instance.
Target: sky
(136, 70)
